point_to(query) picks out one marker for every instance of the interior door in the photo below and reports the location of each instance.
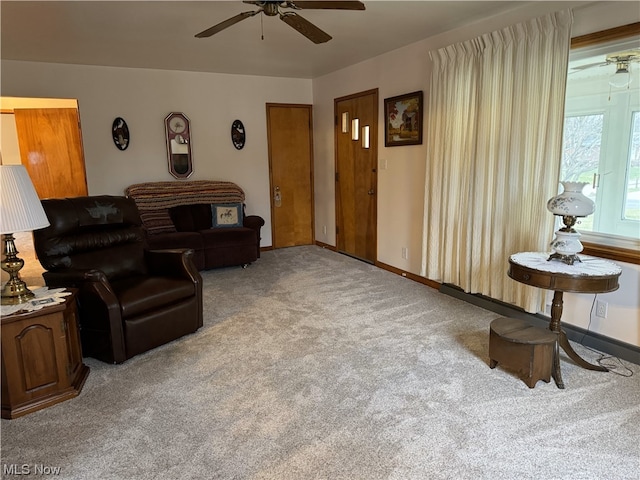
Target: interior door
(51, 150)
(289, 130)
(356, 174)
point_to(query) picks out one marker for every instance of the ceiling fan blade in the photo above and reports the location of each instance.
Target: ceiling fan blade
(227, 23)
(336, 5)
(589, 65)
(305, 27)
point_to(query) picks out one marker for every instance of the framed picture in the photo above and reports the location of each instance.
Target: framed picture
(403, 120)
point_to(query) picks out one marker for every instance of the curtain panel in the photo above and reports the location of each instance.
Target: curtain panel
(494, 144)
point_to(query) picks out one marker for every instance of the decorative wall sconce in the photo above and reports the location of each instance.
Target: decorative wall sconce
(365, 136)
(355, 129)
(345, 122)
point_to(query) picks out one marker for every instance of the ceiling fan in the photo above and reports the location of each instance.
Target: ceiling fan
(622, 61)
(273, 8)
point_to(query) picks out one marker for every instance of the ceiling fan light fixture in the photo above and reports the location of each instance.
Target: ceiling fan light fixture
(622, 77)
(270, 9)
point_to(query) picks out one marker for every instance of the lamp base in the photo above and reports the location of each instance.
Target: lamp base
(566, 246)
(15, 291)
(15, 294)
(568, 259)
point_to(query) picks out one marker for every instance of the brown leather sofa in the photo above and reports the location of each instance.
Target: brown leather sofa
(180, 214)
(131, 299)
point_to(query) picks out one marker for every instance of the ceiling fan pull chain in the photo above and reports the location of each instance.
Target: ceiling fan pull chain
(261, 28)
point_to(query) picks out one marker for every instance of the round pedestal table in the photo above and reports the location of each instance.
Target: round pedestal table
(590, 275)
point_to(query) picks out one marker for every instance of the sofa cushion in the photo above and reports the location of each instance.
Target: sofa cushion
(157, 221)
(214, 237)
(226, 215)
(191, 218)
(169, 241)
(140, 294)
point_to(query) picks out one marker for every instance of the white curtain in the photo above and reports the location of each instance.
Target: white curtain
(494, 141)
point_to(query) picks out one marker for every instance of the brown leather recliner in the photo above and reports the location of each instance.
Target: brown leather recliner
(131, 299)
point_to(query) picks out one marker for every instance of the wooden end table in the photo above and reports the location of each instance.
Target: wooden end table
(591, 275)
(41, 358)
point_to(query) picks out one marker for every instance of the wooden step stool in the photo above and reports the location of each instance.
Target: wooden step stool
(528, 350)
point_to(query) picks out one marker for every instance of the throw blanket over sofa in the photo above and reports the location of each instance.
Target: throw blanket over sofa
(185, 214)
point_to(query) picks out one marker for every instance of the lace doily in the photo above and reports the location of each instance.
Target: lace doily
(589, 266)
(44, 297)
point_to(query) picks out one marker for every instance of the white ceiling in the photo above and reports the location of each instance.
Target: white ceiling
(160, 34)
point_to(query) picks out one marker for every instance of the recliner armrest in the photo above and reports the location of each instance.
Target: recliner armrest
(177, 262)
(99, 307)
(172, 262)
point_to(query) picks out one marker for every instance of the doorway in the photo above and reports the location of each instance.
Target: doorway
(45, 136)
(290, 143)
(356, 140)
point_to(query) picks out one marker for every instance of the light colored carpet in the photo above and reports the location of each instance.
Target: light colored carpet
(313, 365)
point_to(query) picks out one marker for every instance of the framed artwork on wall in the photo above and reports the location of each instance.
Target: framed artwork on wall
(403, 120)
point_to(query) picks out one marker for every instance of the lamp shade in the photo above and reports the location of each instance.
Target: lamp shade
(20, 207)
(571, 202)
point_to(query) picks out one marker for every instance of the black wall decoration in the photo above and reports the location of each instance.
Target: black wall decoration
(238, 136)
(120, 133)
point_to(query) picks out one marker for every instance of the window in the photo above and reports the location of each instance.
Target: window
(602, 139)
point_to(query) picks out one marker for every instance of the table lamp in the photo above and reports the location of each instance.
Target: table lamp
(570, 204)
(20, 211)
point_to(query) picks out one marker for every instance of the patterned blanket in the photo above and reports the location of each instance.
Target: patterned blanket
(154, 199)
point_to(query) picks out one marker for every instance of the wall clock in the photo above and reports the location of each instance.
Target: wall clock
(178, 136)
(120, 133)
(238, 136)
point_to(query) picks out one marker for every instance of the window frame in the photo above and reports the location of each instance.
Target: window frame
(612, 252)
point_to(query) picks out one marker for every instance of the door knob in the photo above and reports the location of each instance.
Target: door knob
(371, 192)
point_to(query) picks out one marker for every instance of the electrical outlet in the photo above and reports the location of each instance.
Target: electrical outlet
(324, 230)
(405, 253)
(547, 309)
(601, 309)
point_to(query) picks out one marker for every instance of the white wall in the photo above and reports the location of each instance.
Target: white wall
(144, 98)
(401, 184)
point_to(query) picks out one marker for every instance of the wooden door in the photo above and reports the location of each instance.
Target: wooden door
(289, 130)
(51, 151)
(356, 175)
